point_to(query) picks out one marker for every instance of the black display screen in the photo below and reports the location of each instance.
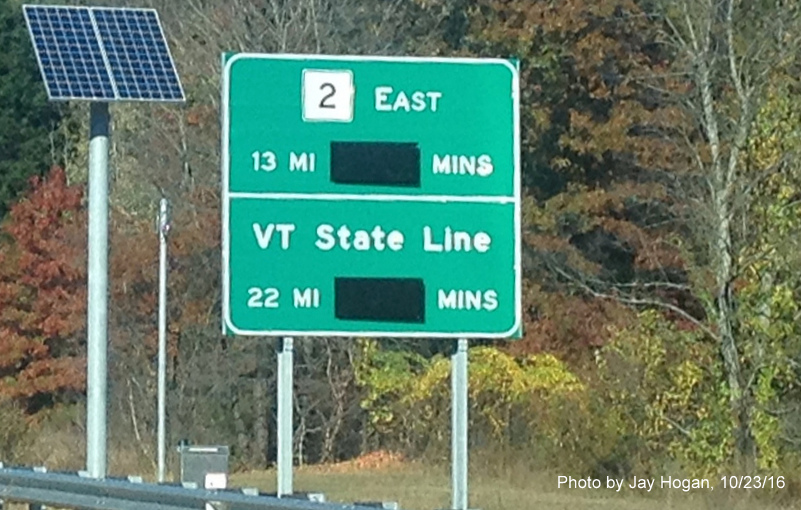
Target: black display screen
(380, 299)
(376, 163)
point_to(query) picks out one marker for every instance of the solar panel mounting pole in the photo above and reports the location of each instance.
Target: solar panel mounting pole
(459, 415)
(97, 306)
(86, 53)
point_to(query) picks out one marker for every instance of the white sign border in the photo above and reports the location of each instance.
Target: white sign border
(226, 164)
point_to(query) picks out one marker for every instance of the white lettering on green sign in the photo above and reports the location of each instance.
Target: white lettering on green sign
(388, 100)
(264, 235)
(455, 240)
(378, 239)
(467, 300)
(452, 164)
(360, 240)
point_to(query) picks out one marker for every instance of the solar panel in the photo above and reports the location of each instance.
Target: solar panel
(102, 54)
(137, 53)
(69, 53)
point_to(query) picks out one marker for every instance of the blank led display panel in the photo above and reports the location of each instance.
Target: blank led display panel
(376, 163)
(399, 300)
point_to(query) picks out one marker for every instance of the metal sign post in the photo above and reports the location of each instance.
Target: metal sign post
(459, 417)
(285, 383)
(164, 228)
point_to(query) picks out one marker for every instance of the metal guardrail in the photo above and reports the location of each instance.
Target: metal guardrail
(38, 487)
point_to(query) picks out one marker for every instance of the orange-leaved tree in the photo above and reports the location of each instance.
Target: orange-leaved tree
(43, 294)
(600, 215)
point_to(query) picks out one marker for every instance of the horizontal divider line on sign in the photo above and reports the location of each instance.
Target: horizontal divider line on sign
(375, 197)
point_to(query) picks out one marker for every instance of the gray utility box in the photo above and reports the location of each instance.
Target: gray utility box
(206, 466)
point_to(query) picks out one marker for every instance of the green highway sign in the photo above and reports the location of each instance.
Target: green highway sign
(374, 196)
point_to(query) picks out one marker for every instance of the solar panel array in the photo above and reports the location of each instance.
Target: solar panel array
(103, 54)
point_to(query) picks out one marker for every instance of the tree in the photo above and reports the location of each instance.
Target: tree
(637, 117)
(767, 285)
(43, 295)
(726, 52)
(596, 173)
(29, 141)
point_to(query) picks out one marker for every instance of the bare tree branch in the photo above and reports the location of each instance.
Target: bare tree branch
(636, 301)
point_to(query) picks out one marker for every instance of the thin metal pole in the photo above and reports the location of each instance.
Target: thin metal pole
(164, 227)
(97, 305)
(284, 457)
(459, 425)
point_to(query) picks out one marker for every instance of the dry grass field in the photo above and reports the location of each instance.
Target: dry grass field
(418, 487)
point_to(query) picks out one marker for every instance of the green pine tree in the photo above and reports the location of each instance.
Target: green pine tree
(28, 122)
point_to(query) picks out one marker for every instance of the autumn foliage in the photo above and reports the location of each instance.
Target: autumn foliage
(626, 279)
(43, 293)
